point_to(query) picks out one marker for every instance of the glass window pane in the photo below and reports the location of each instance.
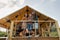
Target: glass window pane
(36, 25)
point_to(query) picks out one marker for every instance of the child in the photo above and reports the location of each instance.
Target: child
(24, 25)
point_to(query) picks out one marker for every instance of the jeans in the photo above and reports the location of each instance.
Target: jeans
(29, 26)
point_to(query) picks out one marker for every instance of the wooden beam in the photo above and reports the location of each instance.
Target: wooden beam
(42, 32)
(32, 21)
(35, 29)
(11, 31)
(39, 28)
(49, 28)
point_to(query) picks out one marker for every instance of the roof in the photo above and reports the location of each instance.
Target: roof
(6, 21)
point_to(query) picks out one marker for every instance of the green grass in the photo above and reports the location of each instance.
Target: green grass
(54, 34)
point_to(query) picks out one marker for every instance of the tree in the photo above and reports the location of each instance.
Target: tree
(3, 34)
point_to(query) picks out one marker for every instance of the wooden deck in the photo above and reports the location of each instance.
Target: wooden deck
(41, 38)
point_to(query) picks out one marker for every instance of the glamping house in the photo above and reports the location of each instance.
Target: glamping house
(29, 24)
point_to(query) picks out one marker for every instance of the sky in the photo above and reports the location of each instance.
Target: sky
(50, 8)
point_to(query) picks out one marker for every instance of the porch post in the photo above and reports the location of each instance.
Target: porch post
(11, 31)
(39, 28)
(49, 29)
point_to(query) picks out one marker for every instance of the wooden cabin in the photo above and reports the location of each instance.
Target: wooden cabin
(29, 24)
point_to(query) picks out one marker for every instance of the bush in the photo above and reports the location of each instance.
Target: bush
(3, 34)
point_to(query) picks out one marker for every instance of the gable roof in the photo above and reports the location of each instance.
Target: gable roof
(5, 22)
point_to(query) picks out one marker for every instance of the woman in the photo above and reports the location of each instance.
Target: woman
(30, 24)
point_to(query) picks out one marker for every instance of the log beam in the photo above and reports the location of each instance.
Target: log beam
(11, 31)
